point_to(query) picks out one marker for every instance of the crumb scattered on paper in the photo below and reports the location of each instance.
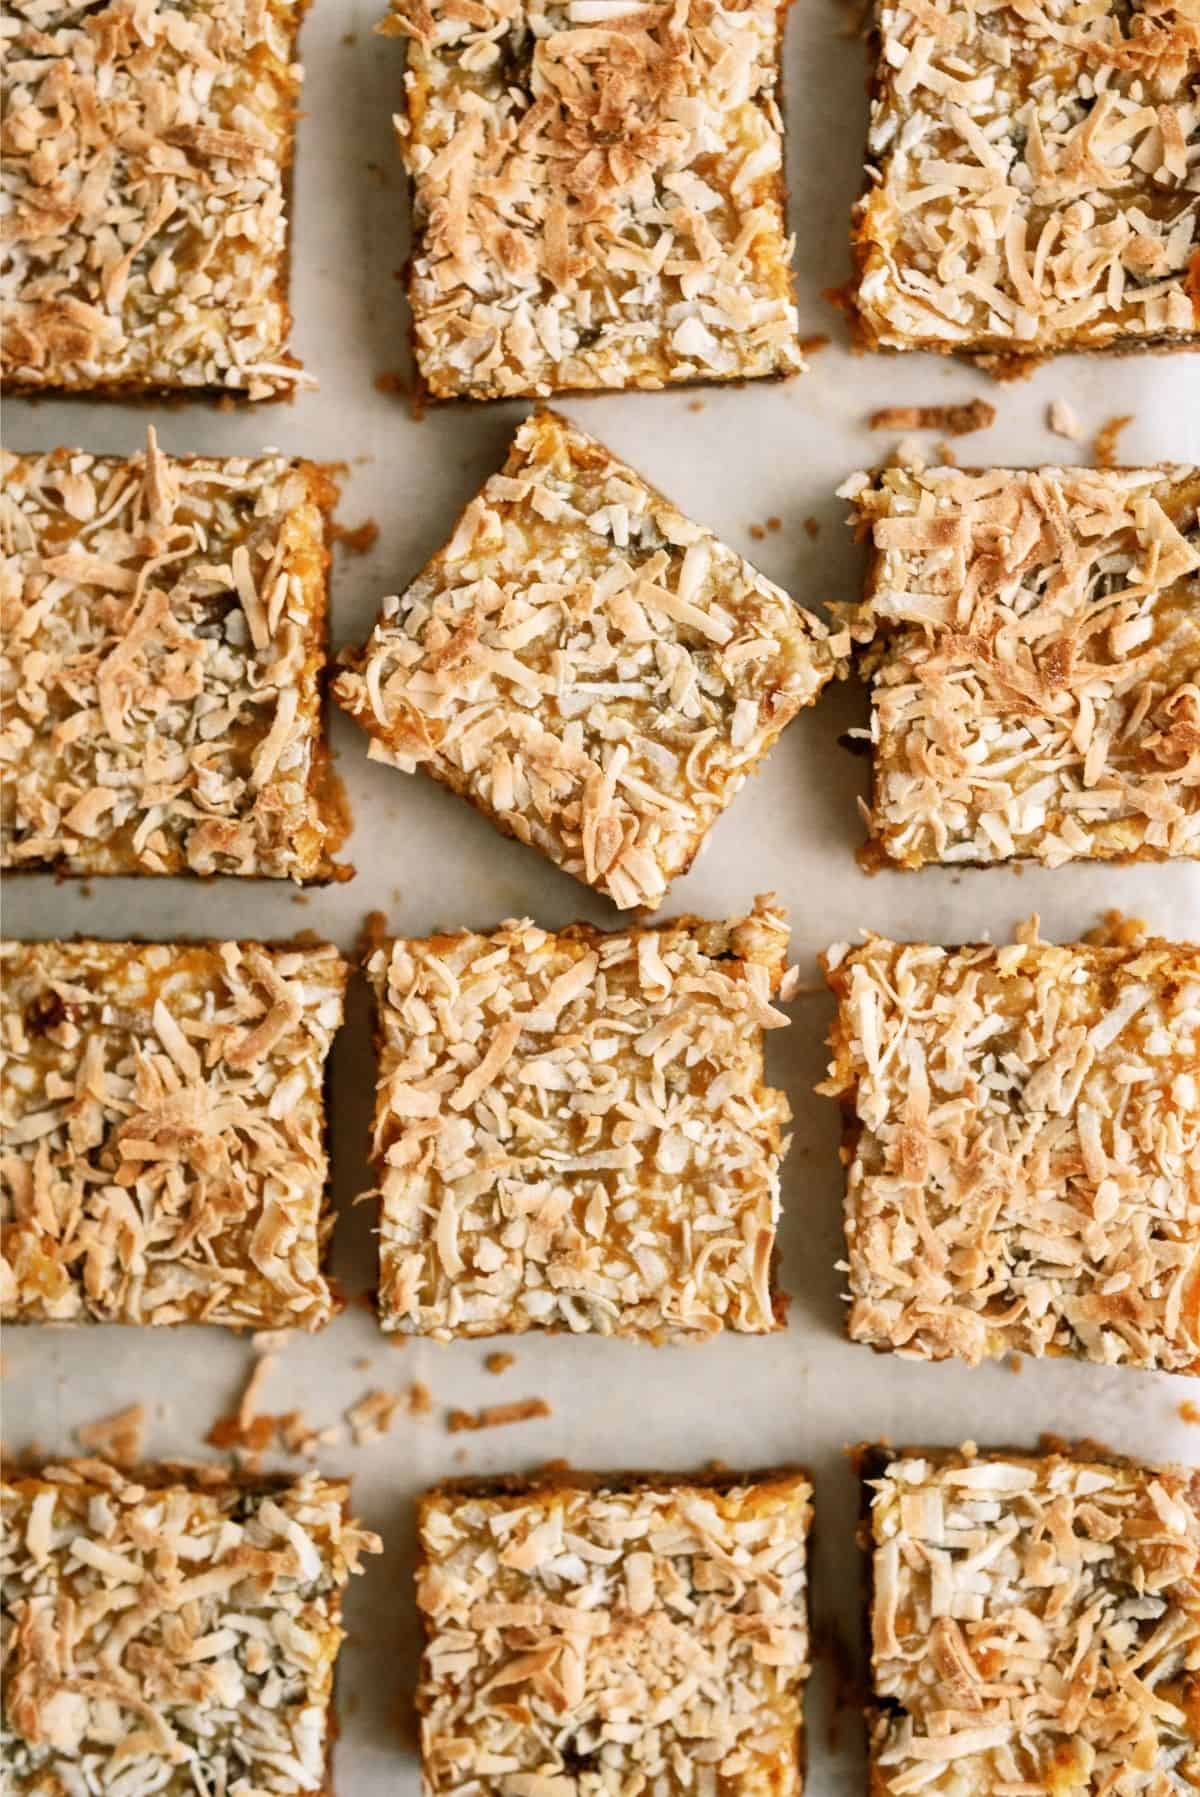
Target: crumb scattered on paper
(499, 1363)
(372, 1416)
(956, 420)
(420, 1399)
(813, 527)
(117, 1437)
(495, 1416)
(1106, 445)
(356, 539)
(1063, 421)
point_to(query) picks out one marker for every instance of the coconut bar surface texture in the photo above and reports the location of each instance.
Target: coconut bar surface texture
(1022, 1148)
(572, 1130)
(1034, 656)
(163, 1118)
(161, 658)
(592, 670)
(602, 1636)
(147, 148)
(1033, 1625)
(598, 194)
(1032, 178)
(171, 1631)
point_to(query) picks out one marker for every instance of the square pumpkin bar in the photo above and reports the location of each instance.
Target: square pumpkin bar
(1033, 649)
(162, 652)
(172, 1630)
(1032, 181)
(598, 194)
(147, 157)
(591, 669)
(1021, 1142)
(572, 1130)
(602, 1635)
(163, 1114)
(1033, 1623)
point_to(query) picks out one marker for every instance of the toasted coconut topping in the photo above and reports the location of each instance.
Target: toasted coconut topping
(594, 671)
(171, 1638)
(162, 640)
(163, 1123)
(1033, 177)
(572, 1131)
(1023, 1139)
(1034, 1627)
(146, 150)
(614, 1640)
(1035, 653)
(598, 193)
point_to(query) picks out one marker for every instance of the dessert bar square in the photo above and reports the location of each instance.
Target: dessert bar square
(163, 1115)
(1034, 657)
(172, 1631)
(598, 194)
(609, 1635)
(147, 155)
(1022, 1138)
(1033, 1623)
(592, 670)
(572, 1130)
(163, 648)
(1032, 178)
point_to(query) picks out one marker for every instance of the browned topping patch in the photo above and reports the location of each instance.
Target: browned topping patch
(146, 153)
(1033, 1626)
(646, 1639)
(597, 194)
(1034, 650)
(182, 1632)
(1023, 1125)
(1031, 177)
(572, 1130)
(162, 646)
(594, 671)
(164, 1127)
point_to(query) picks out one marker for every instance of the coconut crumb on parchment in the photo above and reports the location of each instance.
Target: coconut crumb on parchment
(1022, 1131)
(615, 1635)
(117, 1437)
(147, 152)
(1031, 178)
(958, 420)
(1062, 419)
(1032, 638)
(591, 669)
(572, 1130)
(499, 1363)
(1105, 449)
(598, 194)
(1033, 1624)
(164, 1123)
(172, 1631)
(498, 1416)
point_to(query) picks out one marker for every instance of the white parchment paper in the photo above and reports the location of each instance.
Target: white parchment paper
(733, 459)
